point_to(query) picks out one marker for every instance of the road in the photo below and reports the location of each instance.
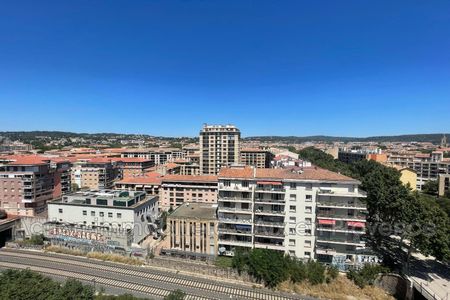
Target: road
(430, 277)
(140, 281)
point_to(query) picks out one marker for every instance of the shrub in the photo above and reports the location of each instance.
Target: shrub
(315, 272)
(367, 275)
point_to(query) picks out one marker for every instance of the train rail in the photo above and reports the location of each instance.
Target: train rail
(153, 280)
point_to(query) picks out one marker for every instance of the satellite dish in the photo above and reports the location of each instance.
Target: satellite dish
(222, 249)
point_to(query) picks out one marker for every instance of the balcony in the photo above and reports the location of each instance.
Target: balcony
(345, 240)
(235, 242)
(267, 233)
(341, 229)
(235, 210)
(235, 199)
(331, 193)
(270, 201)
(231, 220)
(269, 189)
(269, 212)
(340, 216)
(341, 204)
(232, 231)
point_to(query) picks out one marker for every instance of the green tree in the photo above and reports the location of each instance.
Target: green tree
(175, 295)
(267, 266)
(315, 272)
(73, 289)
(431, 187)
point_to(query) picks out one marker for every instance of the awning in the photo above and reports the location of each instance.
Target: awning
(327, 222)
(270, 182)
(356, 224)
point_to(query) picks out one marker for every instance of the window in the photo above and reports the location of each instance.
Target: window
(292, 208)
(292, 231)
(307, 231)
(293, 186)
(292, 197)
(308, 209)
(308, 198)
(244, 183)
(227, 183)
(308, 220)
(291, 242)
(308, 254)
(119, 215)
(308, 186)
(110, 215)
(92, 213)
(84, 213)
(307, 244)
(292, 220)
(102, 214)
(60, 210)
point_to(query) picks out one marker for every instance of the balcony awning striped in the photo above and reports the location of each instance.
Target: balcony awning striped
(270, 182)
(327, 222)
(356, 224)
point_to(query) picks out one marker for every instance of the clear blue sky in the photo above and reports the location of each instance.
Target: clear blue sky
(348, 68)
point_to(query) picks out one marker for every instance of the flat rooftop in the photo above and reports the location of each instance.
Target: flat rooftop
(201, 211)
(107, 198)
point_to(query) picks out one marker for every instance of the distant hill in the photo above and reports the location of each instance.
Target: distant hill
(432, 138)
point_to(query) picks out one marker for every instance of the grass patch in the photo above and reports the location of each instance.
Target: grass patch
(97, 255)
(339, 289)
(223, 262)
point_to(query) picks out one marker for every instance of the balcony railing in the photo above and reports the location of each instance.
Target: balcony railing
(234, 231)
(235, 209)
(339, 239)
(234, 199)
(269, 212)
(235, 220)
(270, 189)
(344, 204)
(276, 201)
(269, 233)
(340, 216)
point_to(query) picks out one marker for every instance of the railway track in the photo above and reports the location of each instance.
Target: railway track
(194, 287)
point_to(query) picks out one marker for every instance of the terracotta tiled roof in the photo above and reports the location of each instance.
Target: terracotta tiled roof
(190, 178)
(310, 173)
(130, 159)
(149, 178)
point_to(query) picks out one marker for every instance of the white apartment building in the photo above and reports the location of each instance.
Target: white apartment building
(108, 218)
(219, 147)
(313, 214)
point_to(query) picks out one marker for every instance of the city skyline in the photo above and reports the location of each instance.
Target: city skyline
(297, 69)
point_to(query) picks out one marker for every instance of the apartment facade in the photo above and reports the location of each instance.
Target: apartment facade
(133, 166)
(149, 183)
(312, 214)
(101, 220)
(219, 147)
(258, 158)
(428, 166)
(95, 174)
(158, 156)
(192, 230)
(28, 182)
(178, 189)
(444, 184)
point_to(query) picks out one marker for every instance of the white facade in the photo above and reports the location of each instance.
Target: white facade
(137, 217)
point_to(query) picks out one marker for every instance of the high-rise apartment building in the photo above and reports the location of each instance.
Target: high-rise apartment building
(314, 213)
(219, 147)
(28, 182)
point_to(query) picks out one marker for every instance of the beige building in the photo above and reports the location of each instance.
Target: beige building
(95, 174)
(177, 189)
(444, 184)
(192, 230)
(258, 158)
(150, 183)
(408, 176)
(219, 147)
